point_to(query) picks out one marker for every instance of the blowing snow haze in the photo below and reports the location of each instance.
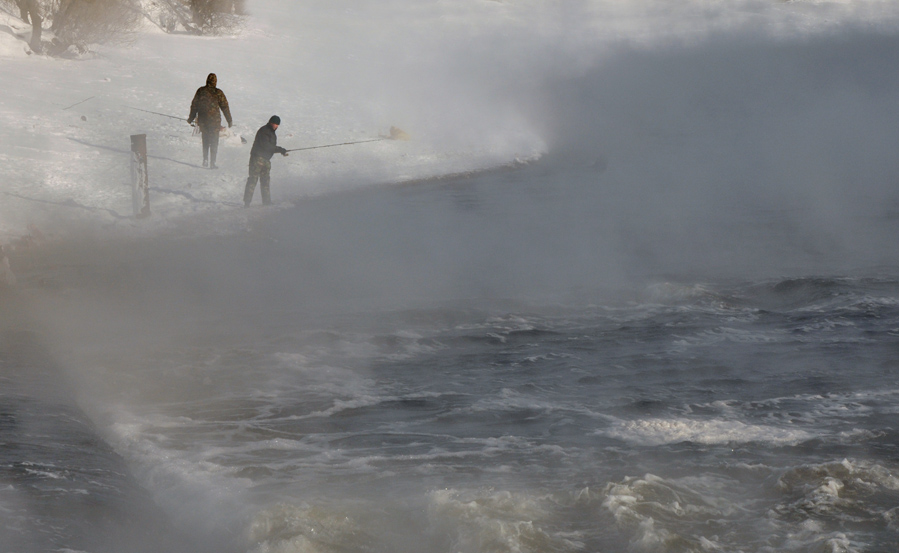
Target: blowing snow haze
(630, 285)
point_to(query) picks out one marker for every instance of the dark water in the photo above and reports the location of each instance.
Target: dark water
(457, 366)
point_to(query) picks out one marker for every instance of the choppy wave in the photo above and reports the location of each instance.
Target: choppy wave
(653, 432)
(519, 426)
(808, 508)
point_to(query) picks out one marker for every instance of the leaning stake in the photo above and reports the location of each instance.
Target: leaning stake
(140, 183)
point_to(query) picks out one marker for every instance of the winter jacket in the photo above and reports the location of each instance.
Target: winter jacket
(266, 143)
(206, 105)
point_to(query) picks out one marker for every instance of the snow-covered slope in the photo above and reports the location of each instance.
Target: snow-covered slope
(460, 77)
(65, 126)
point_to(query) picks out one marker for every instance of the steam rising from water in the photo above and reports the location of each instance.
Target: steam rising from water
(673, 121)
(708, 141)
(675, 150)
(462, 71)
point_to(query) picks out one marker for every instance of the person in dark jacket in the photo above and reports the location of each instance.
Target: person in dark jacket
(264, 147)
(207, 107)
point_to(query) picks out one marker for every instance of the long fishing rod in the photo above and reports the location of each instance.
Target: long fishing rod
(157, 113)
(395, 134)
(79, 103)
(341, 144)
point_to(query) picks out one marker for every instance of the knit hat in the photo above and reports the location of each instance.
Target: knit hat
(274, 120)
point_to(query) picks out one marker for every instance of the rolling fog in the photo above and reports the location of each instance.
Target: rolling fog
(700, 143)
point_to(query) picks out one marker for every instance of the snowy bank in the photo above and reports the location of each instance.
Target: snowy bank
(464, 79)
(65, 127)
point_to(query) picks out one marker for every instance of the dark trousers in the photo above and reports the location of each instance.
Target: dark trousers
(210, 146)
(32, 8)
(260, 170)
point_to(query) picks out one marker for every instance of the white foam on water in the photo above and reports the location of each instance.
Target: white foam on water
(502, 521)
(811, 536)
(684, 514)
(661, 514)
(304, 528)
(654, 432)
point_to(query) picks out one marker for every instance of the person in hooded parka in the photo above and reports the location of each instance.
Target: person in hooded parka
(207, 107)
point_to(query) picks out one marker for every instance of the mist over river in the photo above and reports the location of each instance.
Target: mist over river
(675, 330)
(434, 367)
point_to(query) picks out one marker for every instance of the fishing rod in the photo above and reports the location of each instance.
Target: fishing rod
(395, 134)
(79, 103)
(157, 113)
(341, 144)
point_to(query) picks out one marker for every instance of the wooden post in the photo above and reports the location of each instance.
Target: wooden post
(140, 183)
